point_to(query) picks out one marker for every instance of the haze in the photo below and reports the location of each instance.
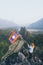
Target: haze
(22, 12)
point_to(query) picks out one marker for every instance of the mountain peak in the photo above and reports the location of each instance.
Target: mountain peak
(41, 19)
(37, 25)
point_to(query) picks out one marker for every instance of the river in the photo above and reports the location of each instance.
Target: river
(36, 30)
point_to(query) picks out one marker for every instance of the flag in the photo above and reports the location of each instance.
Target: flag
(13, 37)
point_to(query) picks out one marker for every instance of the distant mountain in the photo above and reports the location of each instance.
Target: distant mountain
(7, 24)
(37, 25)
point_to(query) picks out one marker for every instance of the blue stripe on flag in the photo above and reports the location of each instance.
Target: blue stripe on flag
(15, 34)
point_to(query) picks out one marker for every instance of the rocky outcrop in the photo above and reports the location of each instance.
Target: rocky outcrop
(21, 59)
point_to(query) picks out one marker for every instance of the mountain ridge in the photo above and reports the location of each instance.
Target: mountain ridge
(7, 24)
(37, 25)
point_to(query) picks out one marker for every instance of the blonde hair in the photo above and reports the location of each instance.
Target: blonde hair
(32, 44)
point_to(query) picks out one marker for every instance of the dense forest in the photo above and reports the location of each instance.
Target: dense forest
(29, 37)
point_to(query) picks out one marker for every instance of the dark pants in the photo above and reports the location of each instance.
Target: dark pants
(29, 56)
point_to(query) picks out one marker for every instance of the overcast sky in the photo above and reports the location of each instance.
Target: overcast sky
(21, 12)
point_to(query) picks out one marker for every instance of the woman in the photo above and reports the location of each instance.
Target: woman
(30, 49)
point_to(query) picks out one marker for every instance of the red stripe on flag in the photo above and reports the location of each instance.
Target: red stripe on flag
(16, 37)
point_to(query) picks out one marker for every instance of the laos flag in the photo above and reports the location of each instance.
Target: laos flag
(13, 37)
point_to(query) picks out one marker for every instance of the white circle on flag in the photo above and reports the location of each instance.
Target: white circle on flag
(13, 37)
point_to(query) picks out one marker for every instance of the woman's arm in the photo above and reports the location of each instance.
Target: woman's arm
(28, 45)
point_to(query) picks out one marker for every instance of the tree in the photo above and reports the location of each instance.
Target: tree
(25, 34)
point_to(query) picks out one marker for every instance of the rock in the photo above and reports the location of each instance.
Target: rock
(3, 63)
(21, 59)
(18, 64)
(26, 62)
(21, 56)
(25, 52)
(37, 60)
